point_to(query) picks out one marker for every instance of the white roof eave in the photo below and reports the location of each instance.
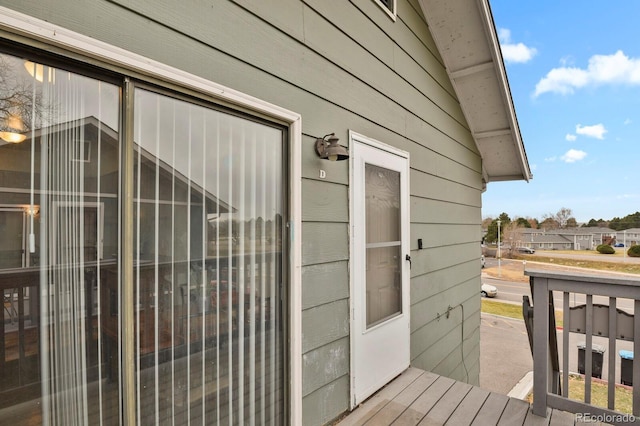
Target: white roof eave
(465, 34)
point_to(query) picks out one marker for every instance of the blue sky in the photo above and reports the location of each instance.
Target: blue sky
(574, 73)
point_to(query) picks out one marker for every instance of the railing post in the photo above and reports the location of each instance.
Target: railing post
(636, 364)
(541, 369)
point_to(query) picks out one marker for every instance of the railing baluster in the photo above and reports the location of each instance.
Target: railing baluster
(613, 327)
(588, 355)
(566, 326)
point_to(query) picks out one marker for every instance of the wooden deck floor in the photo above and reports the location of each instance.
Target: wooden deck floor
(418, 397)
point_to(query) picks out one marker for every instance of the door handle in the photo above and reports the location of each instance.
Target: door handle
(407, 257)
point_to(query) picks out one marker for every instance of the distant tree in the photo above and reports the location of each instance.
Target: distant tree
(504, 218)
(492, 230)
(549, 223)
(561, 219)
(486, 222)
(616, 223)
(512, 237)
(572, 223)
(627, 222)
(521, 221)
(22, 107)
(591, 224)
(533, 222)
(563, 215)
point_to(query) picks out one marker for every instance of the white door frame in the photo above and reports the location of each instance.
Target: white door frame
(400, 350)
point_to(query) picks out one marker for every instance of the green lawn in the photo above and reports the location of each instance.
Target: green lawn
(503, 309)
(510, 310)
(600, 265)
(599, 394)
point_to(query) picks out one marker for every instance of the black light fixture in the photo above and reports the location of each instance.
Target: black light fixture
(328, 149)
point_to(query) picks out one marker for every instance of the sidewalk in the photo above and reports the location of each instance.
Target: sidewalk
(505, 356)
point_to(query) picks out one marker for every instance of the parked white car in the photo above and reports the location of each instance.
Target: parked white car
(487, 290)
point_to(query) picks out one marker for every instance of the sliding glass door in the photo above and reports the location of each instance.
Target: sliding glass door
(208, 200)
(208, 209)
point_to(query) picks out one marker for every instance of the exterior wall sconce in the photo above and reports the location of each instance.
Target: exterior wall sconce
(32, 210)
(328, 149)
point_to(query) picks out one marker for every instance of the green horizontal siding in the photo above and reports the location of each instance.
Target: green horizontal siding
(342, 66)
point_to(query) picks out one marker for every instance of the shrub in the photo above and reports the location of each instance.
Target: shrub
(634, 251)
(605, 249)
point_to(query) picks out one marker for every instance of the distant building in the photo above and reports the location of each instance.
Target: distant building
(567, 239)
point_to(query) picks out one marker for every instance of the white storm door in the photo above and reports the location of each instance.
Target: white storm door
(381, 266)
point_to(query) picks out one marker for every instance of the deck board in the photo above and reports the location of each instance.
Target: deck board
(469, 406)
(560, 418)
(443, 409)
(491, 410)
(514, 413)
(418, 397)
(425, 402)
(533, 420)
(403, 400)
(379, 400)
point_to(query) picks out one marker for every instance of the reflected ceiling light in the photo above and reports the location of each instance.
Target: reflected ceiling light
(11, 128)
(328, 149)
(12, 137)
(37, 71)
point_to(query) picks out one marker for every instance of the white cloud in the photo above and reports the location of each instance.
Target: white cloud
(550, 159)
(627, 121)
(504, 35)
(514, 52)
(518, 53)
(602, 69)
(573, 155)
(570, 137)
(596, 131)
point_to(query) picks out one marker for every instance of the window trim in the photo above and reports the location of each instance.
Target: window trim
(37, 33)
(393, 12)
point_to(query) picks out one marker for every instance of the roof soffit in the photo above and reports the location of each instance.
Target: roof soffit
(465, 35)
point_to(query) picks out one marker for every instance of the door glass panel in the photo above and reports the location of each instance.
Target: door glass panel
(209, 204)
(383, 244)
(59, 166)
(12, 232)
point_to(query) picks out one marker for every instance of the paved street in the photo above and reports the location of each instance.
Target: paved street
(505, 356)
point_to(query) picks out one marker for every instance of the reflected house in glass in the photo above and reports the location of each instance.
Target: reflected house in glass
(172, 247)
